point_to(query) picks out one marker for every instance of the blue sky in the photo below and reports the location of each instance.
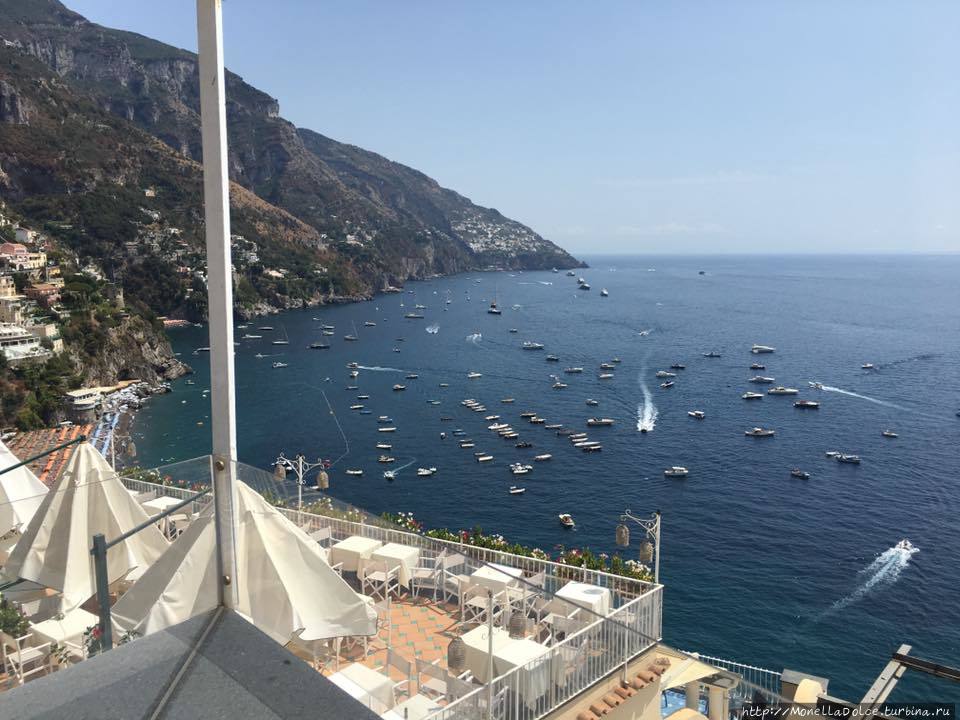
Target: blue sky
(761, 126)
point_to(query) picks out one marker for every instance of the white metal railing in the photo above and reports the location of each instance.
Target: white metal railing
(536, 689)
(756, 683)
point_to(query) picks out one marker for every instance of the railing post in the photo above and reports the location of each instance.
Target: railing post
(99, 552)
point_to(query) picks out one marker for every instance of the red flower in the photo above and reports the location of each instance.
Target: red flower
(96, 633)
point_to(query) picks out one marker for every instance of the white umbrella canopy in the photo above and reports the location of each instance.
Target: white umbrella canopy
(285, 587)
(20, 493)
(54, 550)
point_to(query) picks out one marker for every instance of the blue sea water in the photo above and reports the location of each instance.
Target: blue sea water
(759, 567)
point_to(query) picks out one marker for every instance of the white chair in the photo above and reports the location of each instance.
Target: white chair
(427, 575)
(378, 579)
(396, 661)
(21, 660)
(475, 604)
(322, 535)
(437, 680)
(453, 582)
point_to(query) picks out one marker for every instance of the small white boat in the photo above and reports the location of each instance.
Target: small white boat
(398, 387)
(867, 366)
(761, 379)
(426, 472)
(279, 364)
(386, 459)
(386, 429)
(781, 390)
(816, 385)
(833, 454)
(467, 444)
(798, 473)
(906, 545)
(889, 434)
(678, 366)
(592, 402)
(676, 471)
(367, 323)
(603, 292)
(665, 374)
(484, 458)
(809, 404)
(474, 375)
(514, 490)
(667, 384)
(389, 474)
(711, 354)
(507, 400)
(356, 407)
(527, 345)
(759, 349)
(605, 376)
(573, 370)
(354, 472)
(384, 446)
(566, 520)
(520, 468)
(758, 366)
(543, 458)
(559, 385)
(491, 418)
(850, 459)
(698, 414)
(759, 432)
(248, 336)
(599, 422)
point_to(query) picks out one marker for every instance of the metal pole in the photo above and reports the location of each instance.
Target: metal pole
(299, 483)
(216, 212)
(489, 654)
(76, 440)
(656, 566)
(99, 552)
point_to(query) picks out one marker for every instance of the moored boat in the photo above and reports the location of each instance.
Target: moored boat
(698, 414)
(798, 473)
(676, 471)
(566, 519)
(759, 432)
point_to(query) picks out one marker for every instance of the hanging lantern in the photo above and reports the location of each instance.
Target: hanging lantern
(517, 626)
(456, 655)
(131, 449)
(323, 480)
(646, 551)
(279, 471)
(623, 535)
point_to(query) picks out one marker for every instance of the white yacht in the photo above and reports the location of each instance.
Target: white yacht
(573, 370)
(605, 376)
(474, 375)
(426, 472)
(759, 349)
(698, 414)
(566, 519)
(676, 471)
(889, 434)
(484, 458)
(781, 390)
(514, 490)
(384, 446)
(867, 366)
(761, 379)
(665, 374)
(599, 422)
(906, 545)
(559, 385)
(279, 364)
(667, 384)
(808, 404)
(389, 474)
(592, 402)
(759, 432)
(520, 468)
(604, 293)
(851, 459)
(354, 472)
(527, 345)
(542, 458)
(386, 459)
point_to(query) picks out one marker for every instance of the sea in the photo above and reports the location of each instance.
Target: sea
(758, 566)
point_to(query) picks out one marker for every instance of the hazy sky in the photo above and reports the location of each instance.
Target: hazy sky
(635, 126)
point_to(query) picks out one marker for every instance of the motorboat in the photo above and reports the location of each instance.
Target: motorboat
(592, 402)
(387, 429)
(420, 307)
(537, 420)
(665, 374)
(467, 444)
(867, 366)
(592, 448)
(491, 418)
(584, 286)
(514, 330)
(354, 373)
(279, 364)
(757, 366)
(327, 333)
(493, 309)
(809, 404)
(527, 345)
(816, 385)
(507, 400)
(248, 336)
(433, 402)
(356, 407)
(366, 412)
(319, 346)
(384, 419)
(325, 327)
(384, 446)
(543, 458)
(905, 545)
(559, 385)
(265, 327)
(411, 376)
(426, 472)
(520, 468)
(527, 414)
(443, 385)
(834, 454)
(350, 338)
(616, 360)
(573, 370)
(389, 475)
(607, 366)
(667, 384)
(761, 349)
(889, 434)
(484, 458)
(353, 365)
(698, 414)
(566, 520)
(523, 445)
(571, 273)
(676, 471)
(552, 358)
(761, 379)
(413, 316)
(386, 459)
(604, 293)
(514, 490)
(354, 472)
(711, 354)
(368, 323)
(678, 366)
(798, 473)
(605, 376)
(599, 422)
(759, 432)
(553, 426)
(474, 375)
(850, 459)
(781, 390)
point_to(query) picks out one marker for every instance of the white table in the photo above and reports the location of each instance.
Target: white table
(587, 596)
(368, 686)
(477, 644)
(416, 708)
(71, 627)
(350, 551)
(404, 556)
(159, 504)
(533, 681)
(496, 577)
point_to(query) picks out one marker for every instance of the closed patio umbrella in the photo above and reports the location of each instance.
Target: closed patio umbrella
(285, 586)
(20, 493)
(54, 550)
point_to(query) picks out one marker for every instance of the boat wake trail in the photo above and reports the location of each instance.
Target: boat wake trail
(404, 467)
(377, 368)
(475, 338)
(849, 393)
(883, 571)
(646, 411)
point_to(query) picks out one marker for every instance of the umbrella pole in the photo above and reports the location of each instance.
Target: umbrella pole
(216, 210)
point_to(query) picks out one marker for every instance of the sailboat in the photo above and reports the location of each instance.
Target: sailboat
(354, 337)
(285, 340)
(493, 309)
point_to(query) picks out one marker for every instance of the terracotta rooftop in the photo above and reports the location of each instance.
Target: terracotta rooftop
(28, 444)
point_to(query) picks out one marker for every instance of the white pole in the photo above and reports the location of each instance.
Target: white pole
(489, 654)
(216, 210)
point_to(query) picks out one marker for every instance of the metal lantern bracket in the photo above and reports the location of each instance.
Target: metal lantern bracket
(651, 528)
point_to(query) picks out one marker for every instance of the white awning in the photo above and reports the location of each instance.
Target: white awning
(285, 587)
(54, 550)
(20, 493)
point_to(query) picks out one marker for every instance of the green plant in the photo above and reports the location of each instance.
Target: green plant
(12, 621)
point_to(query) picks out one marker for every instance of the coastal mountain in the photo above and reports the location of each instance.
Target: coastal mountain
(320, 220)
